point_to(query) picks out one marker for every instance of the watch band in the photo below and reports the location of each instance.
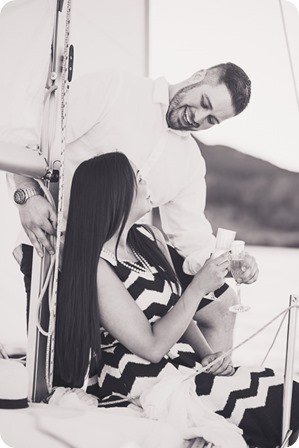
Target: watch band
(21, 195)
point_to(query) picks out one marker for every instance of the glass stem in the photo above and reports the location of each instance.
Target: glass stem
(239, 292)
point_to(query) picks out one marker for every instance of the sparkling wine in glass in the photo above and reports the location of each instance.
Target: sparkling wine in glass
(224, 239)
(237, 261)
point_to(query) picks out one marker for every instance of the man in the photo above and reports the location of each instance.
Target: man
(151, 122)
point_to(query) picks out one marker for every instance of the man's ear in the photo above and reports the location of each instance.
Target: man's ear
(199, 76)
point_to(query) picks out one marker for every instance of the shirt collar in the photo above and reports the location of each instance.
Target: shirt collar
(161, 96)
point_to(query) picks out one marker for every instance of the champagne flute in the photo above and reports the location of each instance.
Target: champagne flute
(237, 259)
(224, 239)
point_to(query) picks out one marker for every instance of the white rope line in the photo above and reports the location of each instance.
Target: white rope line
(229, 352)
(64, 89)
(46, 143)
(286, 440)
(47, 280)
(41, 296)
(22, 359)
(274, 339)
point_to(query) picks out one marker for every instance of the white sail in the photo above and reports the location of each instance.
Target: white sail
(26, 28)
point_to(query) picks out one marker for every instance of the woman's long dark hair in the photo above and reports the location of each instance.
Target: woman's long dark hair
(102, 193)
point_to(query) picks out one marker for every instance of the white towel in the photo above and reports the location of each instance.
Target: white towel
(173, 399)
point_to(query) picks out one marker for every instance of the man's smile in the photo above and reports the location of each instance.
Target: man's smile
(188, 120)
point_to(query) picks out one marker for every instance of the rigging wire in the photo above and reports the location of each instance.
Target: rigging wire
(289, 52)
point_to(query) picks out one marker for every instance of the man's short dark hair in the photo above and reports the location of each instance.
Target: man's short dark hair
(237, 82)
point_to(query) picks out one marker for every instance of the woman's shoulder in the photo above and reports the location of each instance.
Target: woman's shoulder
(106, 273)
(108, 257)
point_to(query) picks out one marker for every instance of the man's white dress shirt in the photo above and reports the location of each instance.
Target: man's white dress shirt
(113, 110)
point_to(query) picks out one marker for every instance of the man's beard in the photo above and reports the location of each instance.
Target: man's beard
(174, 107)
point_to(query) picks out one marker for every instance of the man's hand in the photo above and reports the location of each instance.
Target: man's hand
(250, 270)
(39, 217)
(222, 368)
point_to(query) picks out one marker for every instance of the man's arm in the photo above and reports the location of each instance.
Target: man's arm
(37, 215)
(183, 219)
(90, 97)
(184, 222)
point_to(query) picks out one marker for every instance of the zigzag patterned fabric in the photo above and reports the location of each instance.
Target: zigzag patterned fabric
(251, 398)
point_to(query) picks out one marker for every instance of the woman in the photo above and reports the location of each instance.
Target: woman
(118, 276)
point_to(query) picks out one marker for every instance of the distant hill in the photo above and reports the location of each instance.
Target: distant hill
(257, 199)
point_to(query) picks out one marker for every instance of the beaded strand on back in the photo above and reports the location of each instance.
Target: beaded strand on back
(144, 269)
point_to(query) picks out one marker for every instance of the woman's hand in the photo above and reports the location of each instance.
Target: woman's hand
(223, 367)
(211, 276)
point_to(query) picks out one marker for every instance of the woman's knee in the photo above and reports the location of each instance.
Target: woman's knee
(217, 313)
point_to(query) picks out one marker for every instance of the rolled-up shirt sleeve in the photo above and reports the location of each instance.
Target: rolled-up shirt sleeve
(184, 221)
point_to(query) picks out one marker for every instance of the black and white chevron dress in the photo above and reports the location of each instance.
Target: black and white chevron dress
(251, 398)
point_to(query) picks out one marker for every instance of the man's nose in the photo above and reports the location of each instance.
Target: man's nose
(200, 117)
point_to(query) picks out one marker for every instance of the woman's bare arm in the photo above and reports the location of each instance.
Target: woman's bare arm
(122, 317)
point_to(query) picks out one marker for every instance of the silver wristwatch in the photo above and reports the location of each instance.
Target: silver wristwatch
(21, 195)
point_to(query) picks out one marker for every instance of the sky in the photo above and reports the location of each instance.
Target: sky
(197, 34)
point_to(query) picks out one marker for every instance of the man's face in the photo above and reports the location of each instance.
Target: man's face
(199, 106)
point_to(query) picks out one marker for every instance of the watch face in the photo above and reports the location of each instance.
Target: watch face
(20, 196)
